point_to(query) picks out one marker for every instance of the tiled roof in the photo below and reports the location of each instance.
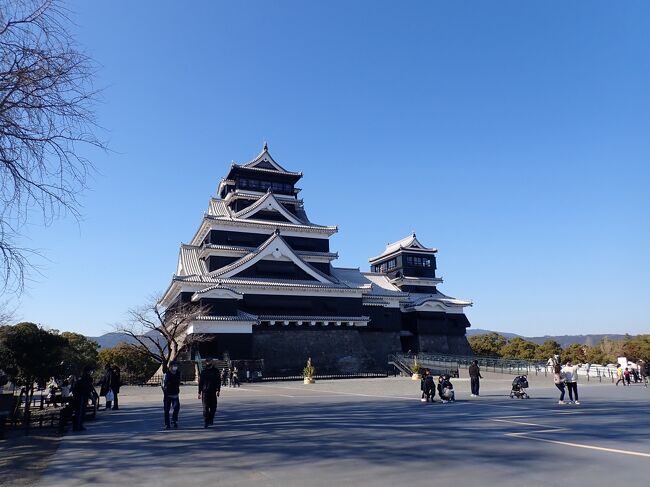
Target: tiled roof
(260, 282)
(189, 263)
(267, 171)
(374, 301)
(218, 208)
(311, 318)
(411, 243)
(247, 258)
(333, 255)
(377, 284)
(239, 194)
(240, 316)
(228, 247)
(419, 299)
(265, 157)
(192, 269)
(269, 198)
(212, 288)
(266, 223)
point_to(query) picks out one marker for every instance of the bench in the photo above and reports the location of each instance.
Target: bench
(7, 405)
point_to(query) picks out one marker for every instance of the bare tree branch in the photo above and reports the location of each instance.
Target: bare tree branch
(161, 332)
(46, 115)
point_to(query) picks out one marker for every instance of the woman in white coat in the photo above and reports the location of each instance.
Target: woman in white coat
(570, 373)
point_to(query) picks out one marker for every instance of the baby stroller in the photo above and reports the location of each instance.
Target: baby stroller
(519, 386)
(445, 389)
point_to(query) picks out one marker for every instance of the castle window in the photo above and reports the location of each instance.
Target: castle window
(257, 185)
(418, 261)
(385, 266)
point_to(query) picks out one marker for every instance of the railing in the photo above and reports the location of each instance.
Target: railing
(399, 364)
(404, 362)
(487, 364)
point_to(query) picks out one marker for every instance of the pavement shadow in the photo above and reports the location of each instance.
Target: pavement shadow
(375, 432)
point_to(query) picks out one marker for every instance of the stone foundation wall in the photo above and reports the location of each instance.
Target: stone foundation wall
(447, 344)
(379, 345)
(331, 351)
(285, 351)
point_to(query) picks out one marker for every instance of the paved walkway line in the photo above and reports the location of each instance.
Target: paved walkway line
(579, 445)
(550, 429)
(524, 423)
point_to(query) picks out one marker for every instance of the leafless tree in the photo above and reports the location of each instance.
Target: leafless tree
(6, 313)
(46, 115)
(161, 333)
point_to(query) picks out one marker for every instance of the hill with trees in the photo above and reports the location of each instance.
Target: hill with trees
(605, 351)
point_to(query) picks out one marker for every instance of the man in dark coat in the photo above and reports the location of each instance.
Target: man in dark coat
(475, 376)
(428, 387)
(171, 384)
(116, 382)
(209, 389)
(81, 392)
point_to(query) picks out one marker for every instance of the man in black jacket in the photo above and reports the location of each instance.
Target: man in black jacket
(116, 382)
(171, 386)
(474, 376)
(81, 392)
(209, 389)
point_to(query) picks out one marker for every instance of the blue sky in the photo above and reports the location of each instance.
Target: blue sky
(512, 136)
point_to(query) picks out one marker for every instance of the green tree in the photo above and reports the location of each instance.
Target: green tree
(519, 348)
(611, 348)
(548, 349)
(595, 355)
(130, 361)
(576, 352)
(637, 347)
(81, 352)
(34, 354)
(488, 344)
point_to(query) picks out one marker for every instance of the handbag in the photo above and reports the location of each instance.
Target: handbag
(109, 395)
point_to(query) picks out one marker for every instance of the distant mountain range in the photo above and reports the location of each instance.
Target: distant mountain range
(563, 340)
(109, 340)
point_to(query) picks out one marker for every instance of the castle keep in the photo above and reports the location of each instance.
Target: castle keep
(263, 272)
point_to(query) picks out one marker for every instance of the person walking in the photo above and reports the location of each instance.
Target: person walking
(475, 376)
(626, 376)
(209, 389)
(619, 374)
(558, 380)
(570, 373)
(171, 386)
(643, 371)
(235, 378)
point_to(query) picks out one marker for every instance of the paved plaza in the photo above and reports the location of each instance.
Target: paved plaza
(366, 432)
